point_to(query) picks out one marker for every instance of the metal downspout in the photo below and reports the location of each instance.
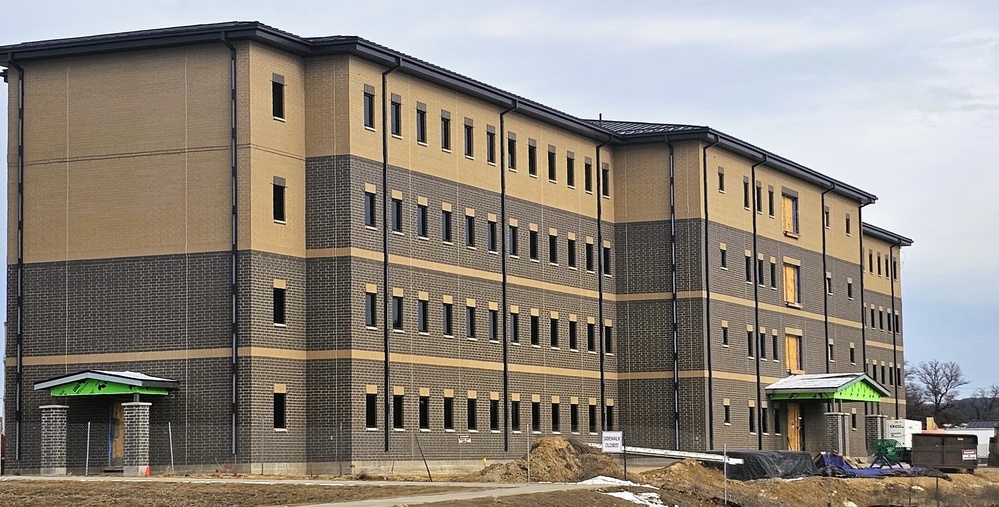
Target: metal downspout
(707, 302)
(19, 371)
(234, 258)
(863, 303)
(505, 309)
(600, 286)
(756, 306)
(894, 327)
(825, 270)
(386, 294)
(675, 328)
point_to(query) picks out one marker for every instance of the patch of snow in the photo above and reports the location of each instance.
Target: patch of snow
(848, 503)
(647, 499)
(918, 488)
(611, 481)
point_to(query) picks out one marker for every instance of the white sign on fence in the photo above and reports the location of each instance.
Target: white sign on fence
(464, 438)
(613, 442)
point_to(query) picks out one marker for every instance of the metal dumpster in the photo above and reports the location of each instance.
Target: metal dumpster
(945, 451)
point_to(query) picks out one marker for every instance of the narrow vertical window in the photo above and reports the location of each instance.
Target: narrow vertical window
(279, 304)
(277, 96)
(424, 413)
(533, 245)
(721, 179)
(571, 252)
(574, 418)
(605, 180)
(470, 322)
(847, 224)
(750, 345)
(759, 197)
(471, 419)
(513, 241)
(395, 115)
(511, 148)
(278, 200)
(770, 202)
(532, 158)
(570, 170)
(279, 411)
(397, 313)
(446, 226)
(749, 269)
(745, 193)
(469, 138)
(762, 339)
(556, 423)
(727, 414)
(398, 412)
(422, 316)
(825, 217)
(775, 343)
(725, 335)
(470, 231)
(829, 284)
(776, 421)
(369, 106)
(494, 415)
(608, 339)
(773, 274)
(764, 426)
(589, 257)
(421, 123)
(445, 131)
(610, 417)
(591, 337)
(752, 419)
(553, 332)
(396, 215)
(371, 410)
(607, 260)
(723, 258)
(535, 416)
(369, 209)
(493, 324)
(588, 175)
(573, 336)
(492, 238)
(760, 271)
(448, 413)
(552, 170)
(552, 248)
(514, 328)
(490, 144)
(515, 415)
(790, 214)
(792, 285)
(592, 416)
(370, 309)
(535, 330)
(421, 220)
(447, 319)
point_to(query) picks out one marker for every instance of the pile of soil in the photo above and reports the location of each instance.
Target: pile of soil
(552, 459)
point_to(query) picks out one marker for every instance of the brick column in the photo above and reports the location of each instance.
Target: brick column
(835, 433)
(874, 429)
(53, 440)
(136, 438)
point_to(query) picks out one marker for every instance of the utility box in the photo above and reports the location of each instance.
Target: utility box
(945, 451)
(901, 431)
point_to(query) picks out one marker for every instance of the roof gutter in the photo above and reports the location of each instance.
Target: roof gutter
(707, 303)
(386, 292)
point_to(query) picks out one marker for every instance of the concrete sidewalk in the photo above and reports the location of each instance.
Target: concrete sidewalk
(500, 490)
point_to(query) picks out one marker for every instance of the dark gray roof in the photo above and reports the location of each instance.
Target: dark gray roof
(626, 128)
(885, 235)
(983, 424)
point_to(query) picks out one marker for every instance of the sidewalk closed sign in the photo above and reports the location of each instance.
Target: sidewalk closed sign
(613, 442)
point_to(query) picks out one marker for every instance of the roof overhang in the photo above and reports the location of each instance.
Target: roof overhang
(885, 235)
(100, 382)
(827, 386)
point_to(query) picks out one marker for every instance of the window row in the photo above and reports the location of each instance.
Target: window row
(890, 263)
(467, 129)
(473, 326)
(492, 234)
(877, 320)
(425, 404)
(764, 419)
(890, 374)
(754, 199)
(757, 271)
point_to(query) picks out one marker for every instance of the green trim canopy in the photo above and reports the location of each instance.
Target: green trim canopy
(827, 386)
(99, 382)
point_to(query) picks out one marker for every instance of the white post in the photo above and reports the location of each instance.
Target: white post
(86, 466)
(170, 430)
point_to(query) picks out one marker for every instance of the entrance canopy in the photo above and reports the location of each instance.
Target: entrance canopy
(96, 382)
(827, 386)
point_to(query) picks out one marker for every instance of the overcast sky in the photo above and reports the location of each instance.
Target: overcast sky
(900, 99)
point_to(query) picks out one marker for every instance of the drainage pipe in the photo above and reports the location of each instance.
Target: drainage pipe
(386, 294)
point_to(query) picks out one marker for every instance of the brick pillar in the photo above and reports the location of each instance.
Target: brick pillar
(53, 440)
(835, 433)
(136, 438)
(874, 429)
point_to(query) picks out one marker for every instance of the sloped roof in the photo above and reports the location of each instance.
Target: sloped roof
(823, 383)
(129, 378)
(982, 424)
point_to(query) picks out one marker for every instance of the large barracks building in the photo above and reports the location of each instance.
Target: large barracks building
(230, 245)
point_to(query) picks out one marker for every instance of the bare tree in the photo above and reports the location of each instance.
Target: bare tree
(986, 402)
(915, 395)
(940, 382)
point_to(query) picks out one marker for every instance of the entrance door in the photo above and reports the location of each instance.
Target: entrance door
(116, 436)
(793, 427)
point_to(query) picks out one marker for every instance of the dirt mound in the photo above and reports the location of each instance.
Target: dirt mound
(553, 459)
(684, 473)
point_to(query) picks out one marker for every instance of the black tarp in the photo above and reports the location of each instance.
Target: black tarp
(770, 465)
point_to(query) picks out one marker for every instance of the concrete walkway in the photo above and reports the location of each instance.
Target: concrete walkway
(499, 490)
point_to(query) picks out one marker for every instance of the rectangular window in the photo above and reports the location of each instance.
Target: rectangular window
(422, 316)
(370, 309)
(848, 224)
(421, 125)
(470, 322)
(591, 336)
(770, 205)
(760, 271)
(592, 415)
(610, 417)
(775, 342)
(395, 115)
(535, 330)
(446, 235)
(607, 260)
(605, 180)
(469, 141)
(792, 285)
(853, 354)
(492, 240)
(494, 424)
(750, 350)
(493, 324)
(829, 284)
(725, 335)
(589, 257)
(448, 413)
(511, 147)
(398, 412)
(881, 319)
(515, 328)
(556, 423)
(552, 170)
(277, 96)
(515, 415)
(762, 339)
(870, 260)
(490, 147)
(397, 313)
(279, 411)
(752, 419)
(535, 415)
(369, 107)
(792, 353)
(471, 419)
(790, 215)
(608, 340)
(371, 410)
(574, 418)
(532, 245)
(421, 220)
(573, 336)
(749, 269)
(759, 198)
(776, 421)
(424, 413)
(532, 160)
(397, 215)
(552, 249)
(879, 264)
(445, 131)
(721, 180)
(853, 421)
(469, 230)
(773, 274)
(279, 302)
(727, 414)
(825, 217)
(278, 200)
(764, 427)
(553, 332)
(723, 258)
(588, 177)
(447, 319)
(513, 241)
(571, 252)
(570, 171)
(369, 209)
(745, 193)
(830, 351)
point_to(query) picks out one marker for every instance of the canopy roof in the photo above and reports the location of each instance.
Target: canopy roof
(95, 382)
(827, 386)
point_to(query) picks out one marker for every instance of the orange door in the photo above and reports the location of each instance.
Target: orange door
(116, 454)
(793, 427)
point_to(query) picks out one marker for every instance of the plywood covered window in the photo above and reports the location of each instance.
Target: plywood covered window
(790, 214)
(792, 285)
(792, 353)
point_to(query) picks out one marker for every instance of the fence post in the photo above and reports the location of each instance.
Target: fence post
(529, 454)
(86, 466)
(170, 431)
